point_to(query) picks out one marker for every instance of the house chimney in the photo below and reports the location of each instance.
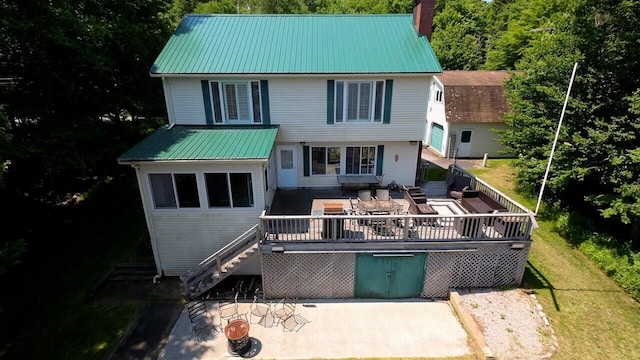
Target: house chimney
(423, 16)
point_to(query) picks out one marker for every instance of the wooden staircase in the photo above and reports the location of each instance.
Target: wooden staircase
(221, 264)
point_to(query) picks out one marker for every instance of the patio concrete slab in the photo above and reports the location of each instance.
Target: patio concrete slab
(338, 329)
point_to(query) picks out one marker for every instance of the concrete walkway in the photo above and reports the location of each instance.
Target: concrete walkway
(434, 158)
(338, 329)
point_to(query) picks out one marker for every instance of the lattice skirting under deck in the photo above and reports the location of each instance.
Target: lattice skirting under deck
(324, 276)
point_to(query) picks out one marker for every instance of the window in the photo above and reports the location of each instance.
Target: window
(325, 160)
(162, 190)
(465, 136)
(236, 102)
(359, 101)
(165, 196)
(229, 190)
(360, 160)
(438, 96)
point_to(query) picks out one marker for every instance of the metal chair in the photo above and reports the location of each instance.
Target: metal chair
(294, 323)
(228, 310)
(201, 322)
(258, 310)
(382, 194)
(285, 308)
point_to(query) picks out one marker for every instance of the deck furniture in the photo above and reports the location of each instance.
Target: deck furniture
(365, 181)
(477, 202)
(284, 309)
(382, 194)
(456, 186)
(294, 323)
(201, 321)
(373, 206)
(364, 195)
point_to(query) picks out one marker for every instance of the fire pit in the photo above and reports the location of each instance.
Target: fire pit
(237, 333)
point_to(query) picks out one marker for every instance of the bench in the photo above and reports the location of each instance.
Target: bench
(477, 202)
(358, 181)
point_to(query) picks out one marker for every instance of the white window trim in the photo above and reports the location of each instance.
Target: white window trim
(345, 102)
(223, 102)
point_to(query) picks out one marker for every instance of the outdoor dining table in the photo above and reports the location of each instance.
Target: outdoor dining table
(376, 206)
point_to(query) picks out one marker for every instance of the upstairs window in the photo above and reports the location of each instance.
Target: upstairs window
(171, 191)
(438, 96)
(359, 101)
(236, 102)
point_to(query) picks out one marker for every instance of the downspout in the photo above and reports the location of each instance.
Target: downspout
(142, 187)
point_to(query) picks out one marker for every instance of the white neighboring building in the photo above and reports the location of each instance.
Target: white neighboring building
(463, 109)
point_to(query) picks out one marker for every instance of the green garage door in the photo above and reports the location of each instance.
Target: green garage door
(389, 276)
(437, 134)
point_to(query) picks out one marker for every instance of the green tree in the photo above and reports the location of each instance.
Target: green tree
(515, 23)
(459, 34)
(595, 167)
(217, 7)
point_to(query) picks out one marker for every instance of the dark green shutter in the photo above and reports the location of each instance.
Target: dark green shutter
(206, 96)
(330, 101)
(388, 93)
(305, 160)
(379, 160)
(264, 95)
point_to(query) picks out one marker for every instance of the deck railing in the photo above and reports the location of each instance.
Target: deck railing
(405, 228)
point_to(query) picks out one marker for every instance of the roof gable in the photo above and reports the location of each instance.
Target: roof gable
(296, 44)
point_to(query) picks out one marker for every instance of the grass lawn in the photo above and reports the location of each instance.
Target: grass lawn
(45, 310)
(592, 317)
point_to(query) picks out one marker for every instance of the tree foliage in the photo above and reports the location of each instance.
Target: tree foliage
(459, 34)
(596, 165)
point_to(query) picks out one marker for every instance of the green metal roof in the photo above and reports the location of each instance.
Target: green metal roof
(204, 143)
(296, 44)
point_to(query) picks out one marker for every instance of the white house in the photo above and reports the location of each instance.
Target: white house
(463, 110)
(258, 103)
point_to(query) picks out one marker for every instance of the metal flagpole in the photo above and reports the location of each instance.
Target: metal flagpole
(553, 147)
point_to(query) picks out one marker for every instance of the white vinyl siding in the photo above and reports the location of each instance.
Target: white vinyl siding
(483, 139)
(402, 171)
(299, 106)
(187, 104)
(182, 238)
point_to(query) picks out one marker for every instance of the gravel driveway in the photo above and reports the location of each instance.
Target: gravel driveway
(512, 322)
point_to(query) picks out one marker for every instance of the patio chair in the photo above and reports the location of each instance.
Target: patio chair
(364, 195)
(201, 322)
(382, 194)
(228, 310)
(294, 323)
(285, 308)
(258, 310)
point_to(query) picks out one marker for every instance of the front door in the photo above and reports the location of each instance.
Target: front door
(464, 149)
(389, 276)
(287, 169)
